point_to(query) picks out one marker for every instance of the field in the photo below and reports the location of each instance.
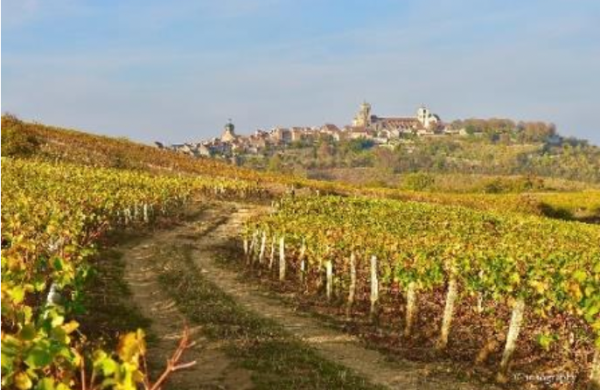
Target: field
(458, 291)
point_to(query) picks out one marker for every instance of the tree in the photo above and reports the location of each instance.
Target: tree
(385, 159)
(275, 163)
(356, 145)
(15, 141)
(324, 150)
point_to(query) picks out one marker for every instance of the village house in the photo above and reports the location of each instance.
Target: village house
(281, 135)
(204, 150)
(365, 125)
(357, 132)
(297, 134)
(331, 130)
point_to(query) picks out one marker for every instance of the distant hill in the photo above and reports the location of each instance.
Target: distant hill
(481, 155)
(23, 139)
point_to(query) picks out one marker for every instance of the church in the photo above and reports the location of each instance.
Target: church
(228, 132)
(423, 122)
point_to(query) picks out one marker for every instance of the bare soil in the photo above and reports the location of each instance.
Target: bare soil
(213, 369)
(210, 230)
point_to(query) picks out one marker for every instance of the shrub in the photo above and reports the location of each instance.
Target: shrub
(418, 181)
(15, 142)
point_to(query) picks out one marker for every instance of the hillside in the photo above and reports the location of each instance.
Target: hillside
(67, 145)
(556, 198)
(567, 159)
(409, 273)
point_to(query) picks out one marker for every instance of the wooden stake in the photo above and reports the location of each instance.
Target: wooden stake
(374, 287)
(511, 338)
(252, 246)
(595, 374)
(352, 287)
(272, 257)
(329, 271)
(246, 245)
(127, 216)
(448, 313)
(282, 259)
(302, 261)
(263, 245)
(479, 302)
(411, 306)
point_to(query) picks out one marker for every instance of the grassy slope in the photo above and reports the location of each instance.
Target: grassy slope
(447, 182)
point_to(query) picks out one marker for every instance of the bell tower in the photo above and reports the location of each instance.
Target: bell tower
(363, 118)
(425, 116)
(228, 132)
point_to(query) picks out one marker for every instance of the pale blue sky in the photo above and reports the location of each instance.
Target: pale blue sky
(176, 70)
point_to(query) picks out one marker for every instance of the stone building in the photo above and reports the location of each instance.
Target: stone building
(228, 132)
(281, 135)
(363, 117)
(331, 130)
(428, 120)
(383, 131)
(423, 120)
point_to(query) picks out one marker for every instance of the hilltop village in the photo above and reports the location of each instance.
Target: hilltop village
(381, 130)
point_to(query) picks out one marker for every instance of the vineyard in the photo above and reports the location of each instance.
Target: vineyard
(52, 217)
(407, 260)
(355, 248)
(196, 197)
(57, 144)
(583, 206)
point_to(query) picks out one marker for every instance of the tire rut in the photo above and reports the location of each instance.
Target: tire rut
(334, 345)
(213, 369)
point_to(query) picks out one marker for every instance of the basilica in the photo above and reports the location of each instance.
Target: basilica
(423, 122)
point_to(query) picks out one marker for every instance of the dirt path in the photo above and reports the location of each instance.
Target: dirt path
(214, 369)
(334, 345)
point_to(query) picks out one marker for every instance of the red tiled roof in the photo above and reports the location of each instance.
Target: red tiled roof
(397, 121)
(357, 129)
(330, 127)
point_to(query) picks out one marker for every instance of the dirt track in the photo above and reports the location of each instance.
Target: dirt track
(214, 369)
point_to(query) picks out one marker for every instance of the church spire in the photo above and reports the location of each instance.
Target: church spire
(229, 131)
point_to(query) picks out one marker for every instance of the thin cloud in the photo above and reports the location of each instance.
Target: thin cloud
(462, 64)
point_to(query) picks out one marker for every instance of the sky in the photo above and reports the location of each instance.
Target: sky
(177, 70)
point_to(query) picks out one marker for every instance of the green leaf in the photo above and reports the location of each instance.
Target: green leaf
(57, 320)
(58, 264)
(45, 384)
(131, 346)
(108, 366)
(39, 283)
(7, 361)
(28, 332)
(579, 276)
(545, 340)
(17, 293)
(591, 312)
(38, 357)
